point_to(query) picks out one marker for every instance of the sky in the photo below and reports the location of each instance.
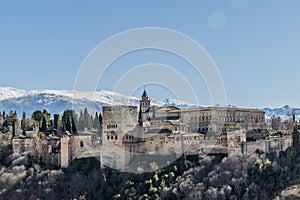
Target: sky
(255, 45)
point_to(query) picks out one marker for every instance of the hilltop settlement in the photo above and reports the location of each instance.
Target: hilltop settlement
(123, 133)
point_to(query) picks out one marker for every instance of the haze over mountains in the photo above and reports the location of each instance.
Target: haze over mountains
(56, 101)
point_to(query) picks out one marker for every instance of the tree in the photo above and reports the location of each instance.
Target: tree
(92, 121)
(294, 116)
(96, 122)
(295, 138)
(69, 119)
(74, 129)
(81, 123)
(56, 119)
(100, 119)
(23, 123)
(47, 114)
(38, 117)
(44, 124)
(87, 119)
(10, 121)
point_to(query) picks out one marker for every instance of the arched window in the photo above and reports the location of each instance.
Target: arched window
(81, 144)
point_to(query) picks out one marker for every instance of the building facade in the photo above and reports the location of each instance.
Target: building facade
(168, 130)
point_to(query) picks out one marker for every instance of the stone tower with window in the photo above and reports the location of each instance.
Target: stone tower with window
(117, 120)
(144, 107)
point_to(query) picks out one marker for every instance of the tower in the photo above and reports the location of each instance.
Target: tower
(144, 106)
(144, 102)
(66, 151)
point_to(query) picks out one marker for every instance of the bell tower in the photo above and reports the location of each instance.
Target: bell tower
(144, 106)
(144, 102)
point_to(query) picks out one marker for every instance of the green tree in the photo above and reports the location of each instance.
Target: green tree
(11, 121)
(74, 129)
(56, 119)
(69, 120)
(81, 122)
(92, 121)
(23, 123)
(44, 124)
(295, 138)
(14, 120)
(38, 117)
(100, 118)
(87, 119)
(47, 116)
(96, 122)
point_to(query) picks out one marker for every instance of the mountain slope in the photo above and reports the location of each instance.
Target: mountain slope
(56, 101)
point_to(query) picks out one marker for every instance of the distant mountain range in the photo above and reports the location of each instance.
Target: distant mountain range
(284, 112)
(56, 101)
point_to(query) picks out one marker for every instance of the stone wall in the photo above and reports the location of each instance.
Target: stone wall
(267, 146)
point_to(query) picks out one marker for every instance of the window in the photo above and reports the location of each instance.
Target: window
(81, 144)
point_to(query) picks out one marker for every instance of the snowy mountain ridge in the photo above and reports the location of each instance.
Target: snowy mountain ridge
(56, 101)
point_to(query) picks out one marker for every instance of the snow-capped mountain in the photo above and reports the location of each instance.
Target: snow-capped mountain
(56, 101)
(284, 112)
(9, 92)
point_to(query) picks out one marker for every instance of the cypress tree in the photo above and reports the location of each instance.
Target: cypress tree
(96, 123)
(74, 129)
(23, 121)
(81, 122)
(38, 117)
(100, 119)
(55, 123)
(14, 120)
(44, 124)
(69, 121)
(296, 138)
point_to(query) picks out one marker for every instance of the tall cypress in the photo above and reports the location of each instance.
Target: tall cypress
(23, 121)
(55, 123)
(296, 138)
(96, 122)
(44, 124)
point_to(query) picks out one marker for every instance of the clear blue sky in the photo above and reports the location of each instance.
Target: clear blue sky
(255, 44)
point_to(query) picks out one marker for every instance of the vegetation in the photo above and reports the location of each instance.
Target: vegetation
(42, 121)
(213, 177)
(259, 176)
